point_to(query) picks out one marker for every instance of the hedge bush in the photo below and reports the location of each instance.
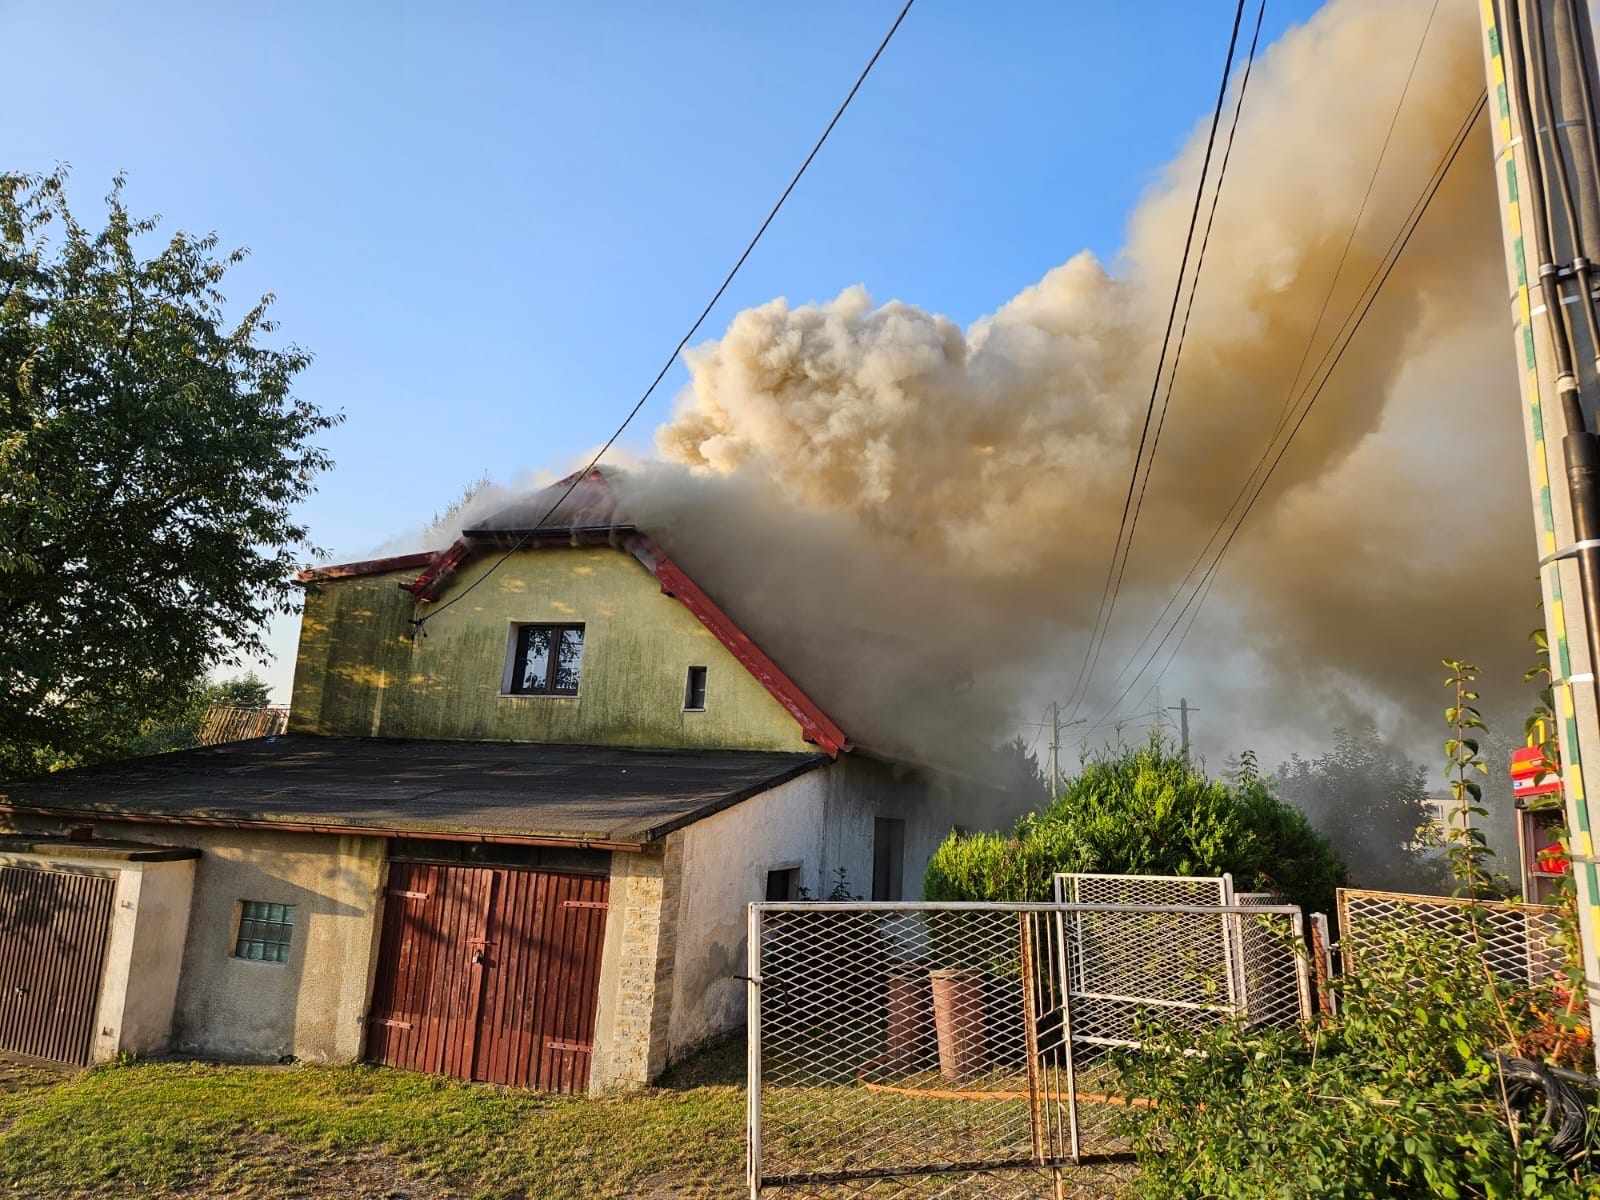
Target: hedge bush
(1400, 1096)
(1145, 811)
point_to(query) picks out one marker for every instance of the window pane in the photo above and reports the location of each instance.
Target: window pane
(265, 931)
(535, 659)
(569, 658)
(694, 695)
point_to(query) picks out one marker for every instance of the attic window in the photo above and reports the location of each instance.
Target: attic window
(694, 690)
(546, 660)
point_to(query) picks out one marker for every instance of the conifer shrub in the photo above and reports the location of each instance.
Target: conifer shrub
(1145, 810)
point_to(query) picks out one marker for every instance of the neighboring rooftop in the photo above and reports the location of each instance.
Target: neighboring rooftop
(490, 790)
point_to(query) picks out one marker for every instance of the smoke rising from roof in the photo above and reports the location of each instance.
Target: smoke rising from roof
(914, 518)
(957, 490)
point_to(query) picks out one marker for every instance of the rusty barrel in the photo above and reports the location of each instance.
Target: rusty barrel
(909, 1037)
(958, 1022)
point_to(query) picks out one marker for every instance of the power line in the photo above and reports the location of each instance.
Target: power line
(1177, 358)
(1375, 283)
(694, 328)
(1311, 340)
(1096, 637)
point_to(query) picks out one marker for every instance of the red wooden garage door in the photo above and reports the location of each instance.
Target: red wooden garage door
(53, 928)
(489, 973)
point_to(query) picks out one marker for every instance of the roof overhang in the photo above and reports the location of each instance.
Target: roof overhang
(126, 816)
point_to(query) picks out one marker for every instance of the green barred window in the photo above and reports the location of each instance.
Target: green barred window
(264, 931)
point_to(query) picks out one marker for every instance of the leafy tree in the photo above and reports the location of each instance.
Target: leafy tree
(177, 725)
(1144, 811)
(1018, 769)
(1369, 800)
(151, 455)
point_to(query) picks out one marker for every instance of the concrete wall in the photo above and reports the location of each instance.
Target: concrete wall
(636, 966)
(361, 672)
(861, 789)
(725, 863)
(676, 938)
(155, 960)
(312, 1007)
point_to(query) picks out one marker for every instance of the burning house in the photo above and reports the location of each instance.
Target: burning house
(513, 843)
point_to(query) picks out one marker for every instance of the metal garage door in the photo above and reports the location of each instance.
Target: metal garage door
(53, 927)
(489, 973)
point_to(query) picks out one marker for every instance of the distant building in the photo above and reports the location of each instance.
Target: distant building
(514, 845)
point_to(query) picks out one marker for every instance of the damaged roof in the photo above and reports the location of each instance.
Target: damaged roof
(607, 796)
(589, 517)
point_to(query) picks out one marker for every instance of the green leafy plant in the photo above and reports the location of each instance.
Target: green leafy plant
(1465, 846)
(1395, 1097)
(1144, 811)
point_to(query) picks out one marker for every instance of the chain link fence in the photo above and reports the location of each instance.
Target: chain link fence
(1520, 942)
(970, 1049)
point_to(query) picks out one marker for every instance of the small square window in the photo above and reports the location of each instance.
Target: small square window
(783, 884)
(694, 690)
(264, 931)
(546, 660)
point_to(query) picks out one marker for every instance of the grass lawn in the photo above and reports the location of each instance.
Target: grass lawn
(158, 1130)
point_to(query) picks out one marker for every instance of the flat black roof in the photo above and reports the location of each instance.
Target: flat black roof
(474, 789)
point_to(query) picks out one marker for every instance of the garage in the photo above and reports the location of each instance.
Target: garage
(53, 929)
(489, 973)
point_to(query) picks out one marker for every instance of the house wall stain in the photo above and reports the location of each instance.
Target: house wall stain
(360, 672)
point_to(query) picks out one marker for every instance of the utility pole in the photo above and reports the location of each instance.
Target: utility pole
(1540, 60)
(1183, 710)
(1055, 746)
(1054, 776)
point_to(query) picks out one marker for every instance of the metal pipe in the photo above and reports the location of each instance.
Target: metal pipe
(1515, 57)
(1575, 222)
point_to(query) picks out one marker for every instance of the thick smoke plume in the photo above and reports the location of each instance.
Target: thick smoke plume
(922, 514)
(915, 518)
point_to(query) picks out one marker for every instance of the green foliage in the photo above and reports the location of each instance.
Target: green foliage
(1370, 801)
(1144, 811)
(1396, 1097)
(151, 458)
(177, 725)
(1465, 846)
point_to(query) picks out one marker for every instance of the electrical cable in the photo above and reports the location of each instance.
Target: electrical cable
(1183, 332)
(1097, 638)
(1397, 248)
(1316, 328)
(419, 622)
(1569, 205)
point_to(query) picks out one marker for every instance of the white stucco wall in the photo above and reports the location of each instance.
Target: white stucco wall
(312, 1007)
(155, 957)
(820, 822)
(726, 858)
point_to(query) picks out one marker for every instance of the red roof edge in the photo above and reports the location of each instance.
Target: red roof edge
(369, 566)
(817, 726)
(441, 567)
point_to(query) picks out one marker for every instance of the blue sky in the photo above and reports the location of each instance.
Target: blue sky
(490, 222)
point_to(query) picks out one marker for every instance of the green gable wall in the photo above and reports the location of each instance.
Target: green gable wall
(360, 672)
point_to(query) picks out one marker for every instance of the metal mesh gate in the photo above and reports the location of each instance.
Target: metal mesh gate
(966, 1049)
(1521, 942)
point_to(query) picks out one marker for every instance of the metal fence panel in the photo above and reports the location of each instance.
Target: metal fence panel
(1521, 942)
(919, 1048)
(1095, 888)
